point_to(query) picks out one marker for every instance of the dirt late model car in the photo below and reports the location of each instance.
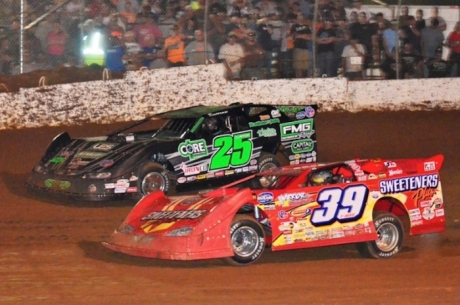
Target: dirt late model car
(371, 203)
(198, 147)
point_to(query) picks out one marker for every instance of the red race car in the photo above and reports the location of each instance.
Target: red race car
(372, 203)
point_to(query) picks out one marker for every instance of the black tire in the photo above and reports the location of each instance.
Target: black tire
(247, 239)
(154, 177)
(390, 237)
(266, 161)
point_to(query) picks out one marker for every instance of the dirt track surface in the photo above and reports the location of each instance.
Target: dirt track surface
(51, 252)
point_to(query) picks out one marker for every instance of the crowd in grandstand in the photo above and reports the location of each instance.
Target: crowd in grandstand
(254, 39)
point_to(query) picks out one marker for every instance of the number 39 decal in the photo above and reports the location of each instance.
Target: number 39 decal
(340, 205)
(231, 150)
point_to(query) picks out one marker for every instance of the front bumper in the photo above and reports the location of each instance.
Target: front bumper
(192, 247)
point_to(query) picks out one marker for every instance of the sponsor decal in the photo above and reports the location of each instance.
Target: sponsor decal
(253, 168)
(409, 184)
(275, 113)
(104, 146)
(428, 214)
(292, 198)
(390, 164)
(181, 180)
(106, 163)
(372, 176)
(210, 175)
(218, 113)
(263, 123)
(201, 177)
(264, 117)
(90, 155)
(426, 203)
(131, 189)
(109, 185)
(133, 178)
(191, 178)
(57, 160)
(395, 172)
(293, 130)
(310, 112)
(299, 146)
(238, 170)
(423, 194)
(282, 214)
(193, 170)
(219, 174)
(300, 115)
(57, 184)
(439, 212)
(120, 190)
(267, 132)
(122, 183)
(253, 162)
(429, 166)
(189, 214)
(382, 175)
(264, 198)
(193, 149)
(229, 172)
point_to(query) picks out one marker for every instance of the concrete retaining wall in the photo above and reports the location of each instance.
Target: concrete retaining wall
(148, 92)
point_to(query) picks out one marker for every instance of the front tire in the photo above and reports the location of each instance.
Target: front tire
(247, 239)
(390, 236)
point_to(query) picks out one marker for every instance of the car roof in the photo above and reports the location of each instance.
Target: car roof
(195, 111)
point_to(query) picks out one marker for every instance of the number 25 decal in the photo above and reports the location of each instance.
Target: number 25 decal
(232, 150)
(340, 205)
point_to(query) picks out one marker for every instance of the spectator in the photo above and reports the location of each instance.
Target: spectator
(266, 7)
(167, 20)
(325, 41)
(404, 17)
(197, 53)
(338, 12)
(432, 38)
(435, 15)
(413, 60)
(29, 64)
(438, 67)
(152, 54)
(339, 43)
(389, 39)
(453, 41)
(95, 7)
(113, 27)
(302, 46)
(114, 54)
(366, 34)
(6, 57)
(147, 26)
(56, 41)
(232, 56)
(174, 48)
(128, 12)
(216, 31)
(13, 35)
(358, 8)
(325, 10)
(265, 30)
(128, 7)
(133, 50)
(287, 49)
(380, 19)
(253, 55)
(420, 23)
(353, 58)
(411, 34)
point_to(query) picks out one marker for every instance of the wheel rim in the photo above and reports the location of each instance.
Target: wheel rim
(153, 182)
(266, 181)
(388, 237)
(245, 241)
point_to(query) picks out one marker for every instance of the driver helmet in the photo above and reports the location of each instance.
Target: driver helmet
(322, 177)
(211, 124)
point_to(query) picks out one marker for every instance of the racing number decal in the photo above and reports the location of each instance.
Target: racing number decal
(340, 205)
(232, 150)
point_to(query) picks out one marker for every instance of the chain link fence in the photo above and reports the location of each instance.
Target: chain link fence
(255, 39)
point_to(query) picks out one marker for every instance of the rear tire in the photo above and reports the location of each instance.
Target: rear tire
(390, 236)
(154, 178)
(247, 239)
(266, 161)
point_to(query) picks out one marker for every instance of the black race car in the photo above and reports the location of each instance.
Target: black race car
(196, 148)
